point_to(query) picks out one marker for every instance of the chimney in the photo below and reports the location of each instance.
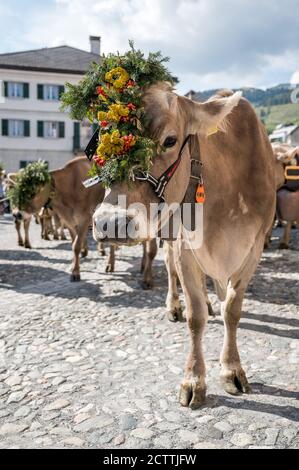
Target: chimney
(95, 44)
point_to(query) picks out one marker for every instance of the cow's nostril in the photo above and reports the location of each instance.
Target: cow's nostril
(105, 226)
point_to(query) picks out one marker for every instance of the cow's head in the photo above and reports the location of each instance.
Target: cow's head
(38, 200)
(171, 118)
(285, 154)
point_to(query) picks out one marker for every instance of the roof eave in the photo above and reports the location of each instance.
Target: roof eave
(42, 69)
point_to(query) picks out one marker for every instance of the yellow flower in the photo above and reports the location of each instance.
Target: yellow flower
(118, 77)
(102, 116)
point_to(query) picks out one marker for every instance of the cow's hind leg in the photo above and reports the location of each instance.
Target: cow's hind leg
(174, 308)
(233, 377)
(77, 246)
(84, 250)
(193, 388)
(111, 259)
(285, 239)
(149, 253)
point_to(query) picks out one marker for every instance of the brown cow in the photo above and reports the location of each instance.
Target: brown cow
(73, 203)
(238, 171)
(20, 217)
(287, 201)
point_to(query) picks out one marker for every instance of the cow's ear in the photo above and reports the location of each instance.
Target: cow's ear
(287, 156)
(209, 117)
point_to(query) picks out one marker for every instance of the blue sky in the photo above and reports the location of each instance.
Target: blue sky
(212, 43)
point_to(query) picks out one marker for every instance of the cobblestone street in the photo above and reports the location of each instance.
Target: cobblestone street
(97, 363)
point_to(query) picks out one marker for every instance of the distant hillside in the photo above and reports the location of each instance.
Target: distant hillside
(279, 94)
(280, 114)
(273, 105)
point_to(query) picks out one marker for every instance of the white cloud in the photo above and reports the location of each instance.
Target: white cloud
(211, 43)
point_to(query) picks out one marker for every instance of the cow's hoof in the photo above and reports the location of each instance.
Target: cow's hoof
(109, 268)
(27, 245)
(192, 394)
(56, 237)
(283, 246)
(176, 315)
(75, 277)
(146, 285)
(102, 252)
(20, 243)
(235, 381)
(84, 253)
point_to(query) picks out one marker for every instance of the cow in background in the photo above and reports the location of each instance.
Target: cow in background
(287, 207)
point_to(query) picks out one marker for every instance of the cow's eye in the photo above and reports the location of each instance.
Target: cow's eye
(170, 141)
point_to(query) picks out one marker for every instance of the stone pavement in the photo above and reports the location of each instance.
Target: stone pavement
(97, 363)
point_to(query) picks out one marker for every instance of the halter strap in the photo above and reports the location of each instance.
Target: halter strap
(159, 185)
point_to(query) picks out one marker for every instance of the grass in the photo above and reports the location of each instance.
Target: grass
(282, 113)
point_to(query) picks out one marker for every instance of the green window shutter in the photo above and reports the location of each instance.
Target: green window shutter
(95, 126)
(60, 90)
(76, 142)
(4, 126)
(40, 129)
(61, 132)
(26, 128)
(25, 90)
(6, 89)
(40, 92)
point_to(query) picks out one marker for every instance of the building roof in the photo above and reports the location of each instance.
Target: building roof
(283, 131)
(62, 59)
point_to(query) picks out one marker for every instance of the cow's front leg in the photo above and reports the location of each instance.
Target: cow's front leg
(26, 229)
(174, 308)
(18, 229)
(193, 388)
(233, 377)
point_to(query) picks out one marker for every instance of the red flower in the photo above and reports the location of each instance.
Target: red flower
(131, 106)
(130, 83)
(99, 161)
(100, 91)
(104, 123)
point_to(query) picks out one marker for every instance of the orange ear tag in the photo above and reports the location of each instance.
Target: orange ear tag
(200, 194)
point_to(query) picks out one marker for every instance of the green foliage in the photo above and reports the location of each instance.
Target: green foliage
(78, 99)
(28, 182)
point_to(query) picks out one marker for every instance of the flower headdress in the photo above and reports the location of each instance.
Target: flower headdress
(27, 184)
(110, 94)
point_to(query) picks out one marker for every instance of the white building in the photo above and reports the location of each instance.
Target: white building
(285, 134)
(31, 125)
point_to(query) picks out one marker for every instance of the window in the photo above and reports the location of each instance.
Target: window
(51, 92)
(51, 129)
(15, 128)
(16, 90)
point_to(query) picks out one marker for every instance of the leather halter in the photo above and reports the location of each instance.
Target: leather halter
(159, 185)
